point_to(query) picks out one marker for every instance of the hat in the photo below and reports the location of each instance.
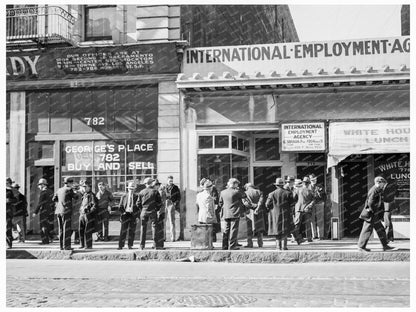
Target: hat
(85, 183)
(68, 180)
(148, 181)
(156, 182)
(233, 180)
(8, 180)
(279, 181)
(207, 184)
(289, 178)
(313, 177)
(306, 180)
(170, 177)
(131, 186)
(15, 185)
(380, 179)
(42, 181)
(101, 183)
(203, 180)
(298, 182)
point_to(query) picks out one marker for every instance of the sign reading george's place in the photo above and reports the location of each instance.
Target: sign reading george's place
(298, 56)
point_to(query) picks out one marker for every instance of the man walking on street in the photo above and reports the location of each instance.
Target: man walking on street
(389, 192)
(149, 203)
(105, 199)
(231, 205)
(129, 213)
(63, 198)
(87, 213)
(10, 200)
(44, 207)
(20, 212)
(254, 204)
(173, 197)
(318, 210)
(372, 215)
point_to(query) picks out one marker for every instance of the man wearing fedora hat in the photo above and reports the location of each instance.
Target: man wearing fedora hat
(45, 208)
(63, 199)
(278, 204)
(149, 203)
(160, 227)
(318, 209)
(129, 212)
(205, 205)
(10, 200)
(303, 207)
(87, 214)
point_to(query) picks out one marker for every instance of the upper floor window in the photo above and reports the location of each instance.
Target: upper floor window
(99, 22)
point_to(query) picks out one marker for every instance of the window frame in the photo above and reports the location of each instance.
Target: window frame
(86, 12)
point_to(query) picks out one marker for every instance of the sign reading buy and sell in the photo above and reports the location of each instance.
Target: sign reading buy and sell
(299, 56)
(372, 137)
(303, 137)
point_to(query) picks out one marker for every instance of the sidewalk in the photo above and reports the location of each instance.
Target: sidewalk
(316, 251)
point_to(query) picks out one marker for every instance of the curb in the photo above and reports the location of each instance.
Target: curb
(271, 256)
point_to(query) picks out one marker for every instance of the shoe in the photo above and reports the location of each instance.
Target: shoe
(119, 248)
(248, 246)
(300, 241)
(98, 239)
(9, 247)
(235, 248)
(106, 239)
(387, 247)
(130, 247)
(81, 247)
(363, 249)
(224, 248)
(88, 248)
(68, 248)
(285, 248)
(160, 248)
(310, 240)
(239, 245)
(76, 242)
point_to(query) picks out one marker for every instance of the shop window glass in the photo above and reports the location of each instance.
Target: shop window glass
(234, 142)
(205, 142)
(215, 167)
(99, 22)
(59, 111)
(266, 149)
(125, 121)
(222, 141)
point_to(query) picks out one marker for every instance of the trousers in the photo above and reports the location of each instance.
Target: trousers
(128, 223)
(388, 225)
(366, 231)
(155, 229)
(250, 234)
(65, 231)
(229, 236)
(318, 220)
(86, 228)
(170, 214)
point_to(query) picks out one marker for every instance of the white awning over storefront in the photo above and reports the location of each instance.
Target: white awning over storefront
(372, 137)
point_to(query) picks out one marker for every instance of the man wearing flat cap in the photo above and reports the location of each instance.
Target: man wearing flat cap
(278, 204)
(149, 203)
(63, 199)
(372, 215)
(231, 204)
(45, 208)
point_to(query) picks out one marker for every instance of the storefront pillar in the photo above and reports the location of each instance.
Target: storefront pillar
(17, 138)
(335, 203)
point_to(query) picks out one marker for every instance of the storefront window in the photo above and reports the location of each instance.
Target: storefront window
(99, 21)
(222, 141)
(266, 149)
(115, 162)
(205, 142)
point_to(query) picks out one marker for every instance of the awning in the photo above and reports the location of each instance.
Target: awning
(371, 137)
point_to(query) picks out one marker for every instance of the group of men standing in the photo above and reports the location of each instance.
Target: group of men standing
(152, 203)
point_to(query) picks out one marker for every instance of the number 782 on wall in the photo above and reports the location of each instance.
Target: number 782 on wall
(94, 121)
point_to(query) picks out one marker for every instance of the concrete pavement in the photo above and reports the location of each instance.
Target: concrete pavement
(316, 251)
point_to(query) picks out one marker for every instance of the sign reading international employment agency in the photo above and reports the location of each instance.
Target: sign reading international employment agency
(303, 137)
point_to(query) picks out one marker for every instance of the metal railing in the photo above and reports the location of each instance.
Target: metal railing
(40, 23)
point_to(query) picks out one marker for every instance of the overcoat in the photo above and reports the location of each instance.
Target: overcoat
(278, 203)
(256, 211)
(231, 203)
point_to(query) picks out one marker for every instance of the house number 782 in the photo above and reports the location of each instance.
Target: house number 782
(94, 121)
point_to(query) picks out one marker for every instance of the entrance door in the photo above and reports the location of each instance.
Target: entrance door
(264, 177)
(353, 194)
(304, 171)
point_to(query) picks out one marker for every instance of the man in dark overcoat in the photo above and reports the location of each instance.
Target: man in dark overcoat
(149, 203)
(44, 208)
(87, 215)
(20, 212)
(10, 200)
(254, 204)
(63, 199)
(278, 204)
(372, 215)
(231, 205)
(128, 215)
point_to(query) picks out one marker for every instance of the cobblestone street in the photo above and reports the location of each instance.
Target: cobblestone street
(150, 284)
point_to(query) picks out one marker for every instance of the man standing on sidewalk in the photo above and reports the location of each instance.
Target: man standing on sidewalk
(303, 211)
(20, 212)
(372, 215)
(44, 207)
(173, 197)
(10, 200)
(105, 199)
(63, 198)
(254, 204)
(318, 210)
(129, 213)
(149, 203)
(231, 203)
(87, 214)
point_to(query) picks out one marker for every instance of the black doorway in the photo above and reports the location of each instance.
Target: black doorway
(264, 177)
(353, 194)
